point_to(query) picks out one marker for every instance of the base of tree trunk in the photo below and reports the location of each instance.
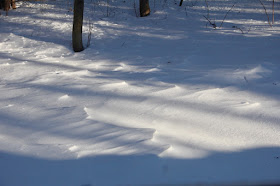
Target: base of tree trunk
(7, 4)
(181, 2)
(14, 4)
(77, 40)
(144, 8)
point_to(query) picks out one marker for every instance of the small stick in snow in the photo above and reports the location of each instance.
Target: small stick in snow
(213, 24)
(236, 27)
(207, 8)
(135, 9)
(90, 27)
(249, 29)
(266, 13)
(246, 79)
(227, 14)
(273, 12)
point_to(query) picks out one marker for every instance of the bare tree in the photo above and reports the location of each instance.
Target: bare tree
(144, 8)
(77, 39)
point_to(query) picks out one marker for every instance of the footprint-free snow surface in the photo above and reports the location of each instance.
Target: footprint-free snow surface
(161, 100)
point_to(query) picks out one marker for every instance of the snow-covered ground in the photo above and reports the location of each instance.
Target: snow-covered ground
(164, 99)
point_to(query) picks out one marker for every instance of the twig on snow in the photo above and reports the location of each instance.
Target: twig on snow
(236, 27)
(90, 27)
(246, 80)
(266, 13)
(227, 14)
(135, 9)
(213, 24)
(249, 29)
(207, 8)
(273, 12)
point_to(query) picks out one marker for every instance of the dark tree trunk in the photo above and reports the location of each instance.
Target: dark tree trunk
(181, 2)
(6, 4)
(144, 8)
(77, 39)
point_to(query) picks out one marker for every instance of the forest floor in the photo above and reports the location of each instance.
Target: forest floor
(161, 100)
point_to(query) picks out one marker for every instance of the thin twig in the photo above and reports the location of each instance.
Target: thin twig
(107, 8)
(273, 12)
(213, 24)
(240, 30)
(207, 8)
(135, 10)
(90, 27)
(227, 14)
(246, 80)
(266, 13)
(236, 27)
(249, 29)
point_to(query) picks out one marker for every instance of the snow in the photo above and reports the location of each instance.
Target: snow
(160, 100)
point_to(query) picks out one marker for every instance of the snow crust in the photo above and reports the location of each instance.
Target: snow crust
(158, 100)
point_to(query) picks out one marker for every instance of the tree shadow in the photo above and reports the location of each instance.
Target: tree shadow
(258, 166)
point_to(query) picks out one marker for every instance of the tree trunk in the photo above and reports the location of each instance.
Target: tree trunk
(6, 4)
(144, 8)
(14, 4)
(181, 2)
(77, 39)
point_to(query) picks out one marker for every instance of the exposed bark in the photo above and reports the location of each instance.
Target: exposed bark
(13, 3)
(77, 40)
(144, 8)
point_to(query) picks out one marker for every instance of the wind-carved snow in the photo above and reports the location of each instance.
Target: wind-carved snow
(121, 139)
(153, 70)
(65, 97)
(73, 148)
(158, 100)
(115, 85)
(121, 67)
